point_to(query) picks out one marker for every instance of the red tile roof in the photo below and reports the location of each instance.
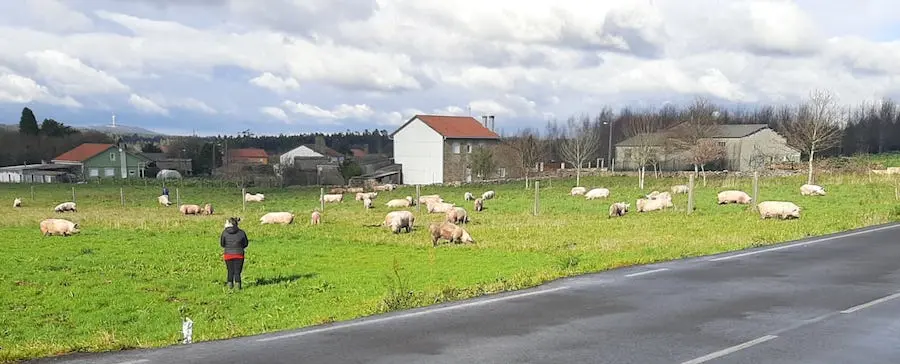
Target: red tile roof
(83, 152)
(358, 152)
(248, 153)
(455, 127)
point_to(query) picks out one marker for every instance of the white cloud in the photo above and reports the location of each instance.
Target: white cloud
(377, 61)
(274, 112)
(70, 75)
(18, 89)
(275, 83)
(146, 105)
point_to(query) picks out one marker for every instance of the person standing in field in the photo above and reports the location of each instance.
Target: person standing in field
(165, 191)
(233, 241)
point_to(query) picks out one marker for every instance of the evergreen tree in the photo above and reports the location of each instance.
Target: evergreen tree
(28, 123)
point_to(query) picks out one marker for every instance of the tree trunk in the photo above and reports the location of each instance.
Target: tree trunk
(703, 172)
(578, 176)
(809, 177)
(641, 177)
(656, 170)
(695, 171)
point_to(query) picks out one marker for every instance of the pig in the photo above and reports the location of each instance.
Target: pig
(315, 218)
(812, 190)
(355, 190)
(618, 209)
(164, 200)
(364, 195)
(384, 187)
(277, 218)
(332, 198)
(58, 227)
(65, 206)
(479, 204)
(254, 198)
(440, 207)
(680, 189)
(337, 190)
(646, 205)
(17, 202)
(450, 232)
(576, 191)
(596, 193)
(367, 203)
(398, 220)
(435, 198)
(190, 209)
(399, 203)
(488, 195)
(780, 209)
(207, 209)
(468, 196)
(730, 196)
(458, 215)
(656, 195)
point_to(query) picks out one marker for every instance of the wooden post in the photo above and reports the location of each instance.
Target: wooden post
(690, 208)
(73, 193)
(322, 198)
(32, 193)
(537, 198)
(418, 193)
(243, 199)
(122, 195)
(755, 188)
(177, 197)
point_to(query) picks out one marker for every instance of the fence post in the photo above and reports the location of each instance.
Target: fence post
(243, 199)
(755, 188)
(73, 193)
(177, 197)
(537, 198)
(322, 198)
(122, 195)
(418, 193)
(32, 192)
(690, 207)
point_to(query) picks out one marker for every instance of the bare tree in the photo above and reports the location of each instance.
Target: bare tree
(580, 145)
(706, 151)
(816, 127)
(700, 124)
(527, 149)
(646, 145)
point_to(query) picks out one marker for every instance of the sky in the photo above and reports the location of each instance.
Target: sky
(297, 66)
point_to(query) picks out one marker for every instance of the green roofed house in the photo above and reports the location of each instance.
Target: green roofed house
(94, 160)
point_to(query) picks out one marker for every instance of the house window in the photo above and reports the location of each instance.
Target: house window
(468, 148)
(722, 144)
(109, 172)
(112, 156)
(502, 172)
(94, 172)
(455, 148)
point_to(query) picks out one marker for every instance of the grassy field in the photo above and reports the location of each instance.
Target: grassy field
(128, 279)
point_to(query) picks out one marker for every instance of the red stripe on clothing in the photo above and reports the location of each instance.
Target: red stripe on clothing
(233, 256)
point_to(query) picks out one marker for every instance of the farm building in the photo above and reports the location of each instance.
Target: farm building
(435, 149)
(91, 160)
(248, 156)
(184, 166)
(747, 146)
(311, 152)
(36, 173)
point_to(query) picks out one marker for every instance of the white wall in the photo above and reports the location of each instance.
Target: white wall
(420, 150)
(10, 177)
(302, 151)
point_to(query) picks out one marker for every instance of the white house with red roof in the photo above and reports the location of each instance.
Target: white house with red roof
(434, 149)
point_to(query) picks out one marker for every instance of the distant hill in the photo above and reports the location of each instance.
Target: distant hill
(122, 130)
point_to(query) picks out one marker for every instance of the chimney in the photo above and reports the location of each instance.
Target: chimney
(491, 118)
(484, 120)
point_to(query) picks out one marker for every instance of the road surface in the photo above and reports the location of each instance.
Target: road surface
(831, 299)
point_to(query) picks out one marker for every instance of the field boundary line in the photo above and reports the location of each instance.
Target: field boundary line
(871, 303)
(413, 314)
(730, 350)
(638, 274)
(814, 241)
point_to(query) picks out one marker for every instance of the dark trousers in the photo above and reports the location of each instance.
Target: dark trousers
(235, 266)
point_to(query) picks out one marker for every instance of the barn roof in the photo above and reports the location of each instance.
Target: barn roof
(454, 127)
(83, 152)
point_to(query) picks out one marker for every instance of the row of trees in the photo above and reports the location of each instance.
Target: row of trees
(34, 143)
(817, 125)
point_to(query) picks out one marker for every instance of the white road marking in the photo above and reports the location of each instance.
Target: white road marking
(872, 303)
(730, 350)
(413, 314)
(646, 272)
(802, 243)
(134, 361)
(805, 323)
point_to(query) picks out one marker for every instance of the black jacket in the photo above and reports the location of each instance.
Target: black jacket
(234, 240)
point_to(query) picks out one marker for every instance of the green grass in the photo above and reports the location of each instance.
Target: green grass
(133, 273)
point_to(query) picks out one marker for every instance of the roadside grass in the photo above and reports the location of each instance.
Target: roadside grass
(128, 279)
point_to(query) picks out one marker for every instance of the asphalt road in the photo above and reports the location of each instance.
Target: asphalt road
(830, 299)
